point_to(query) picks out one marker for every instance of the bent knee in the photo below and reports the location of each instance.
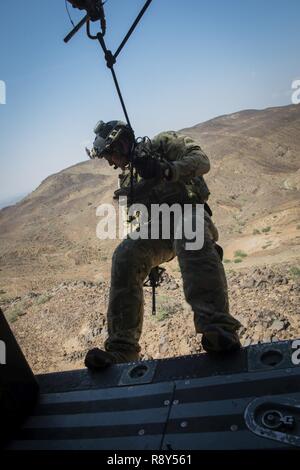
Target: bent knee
(130, 260)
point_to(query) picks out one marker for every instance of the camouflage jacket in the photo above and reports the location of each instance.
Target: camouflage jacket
(189, 164)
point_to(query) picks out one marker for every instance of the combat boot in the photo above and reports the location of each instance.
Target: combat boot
(216, 339)
(99, 359)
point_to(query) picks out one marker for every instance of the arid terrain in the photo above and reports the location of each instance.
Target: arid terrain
(54, 271)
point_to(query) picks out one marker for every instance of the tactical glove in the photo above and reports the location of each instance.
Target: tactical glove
(151, 168)
(121, 192)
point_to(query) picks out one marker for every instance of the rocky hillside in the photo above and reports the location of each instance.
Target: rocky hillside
(57, 326)
(51, 234)
(54, 271)
(255, 181)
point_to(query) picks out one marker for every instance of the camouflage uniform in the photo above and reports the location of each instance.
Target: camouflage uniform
(204, 280)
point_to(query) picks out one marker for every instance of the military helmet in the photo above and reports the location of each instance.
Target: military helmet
(108, 135)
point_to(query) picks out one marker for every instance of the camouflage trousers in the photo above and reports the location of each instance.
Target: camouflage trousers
(204, 284)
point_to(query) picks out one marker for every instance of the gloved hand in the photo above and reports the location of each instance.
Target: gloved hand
(121, 192)
(151, 168)
(89, 5)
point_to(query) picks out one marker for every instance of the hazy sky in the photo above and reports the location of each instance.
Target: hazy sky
(188, 61)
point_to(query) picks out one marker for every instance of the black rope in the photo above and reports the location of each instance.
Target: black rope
(136, 21)
(155, 274)
(121, 98)
(110, 61)
(109, 56)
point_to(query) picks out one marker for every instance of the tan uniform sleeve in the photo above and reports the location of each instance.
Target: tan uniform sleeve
(191, 160)
(191, 165)
(187, 158)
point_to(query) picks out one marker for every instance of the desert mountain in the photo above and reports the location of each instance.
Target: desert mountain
(55, 272)
(255, 190)
(255, 180)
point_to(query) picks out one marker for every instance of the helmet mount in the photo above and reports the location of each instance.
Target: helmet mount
(109, 138)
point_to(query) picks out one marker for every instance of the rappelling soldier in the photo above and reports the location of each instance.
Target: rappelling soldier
(169, 169)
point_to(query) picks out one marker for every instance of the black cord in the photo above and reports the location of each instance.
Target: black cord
(135, 23)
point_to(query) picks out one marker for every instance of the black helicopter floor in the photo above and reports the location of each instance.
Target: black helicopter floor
(245, 400)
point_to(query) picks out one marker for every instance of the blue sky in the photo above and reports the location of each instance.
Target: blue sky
(187, 62)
